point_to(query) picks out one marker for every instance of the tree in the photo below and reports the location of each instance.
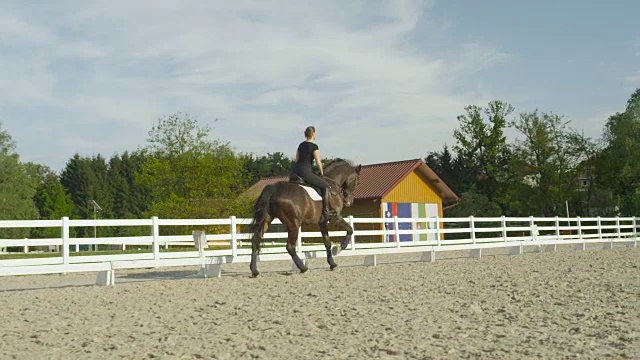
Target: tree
(130, 198)
(618, 168)
(473, 203)
(548, 157)
(450, 169)
(16, 188)
(50, 198)
(85, 179)
(188, 174)
(482, 147)
(265, 166)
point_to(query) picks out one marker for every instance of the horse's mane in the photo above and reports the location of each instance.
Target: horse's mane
(337, 162)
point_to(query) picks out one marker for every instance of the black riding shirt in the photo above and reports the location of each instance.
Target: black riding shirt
(305, 153)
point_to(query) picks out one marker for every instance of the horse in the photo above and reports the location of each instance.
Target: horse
(290, 203)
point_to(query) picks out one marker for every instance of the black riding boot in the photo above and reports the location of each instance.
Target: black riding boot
(326, 211)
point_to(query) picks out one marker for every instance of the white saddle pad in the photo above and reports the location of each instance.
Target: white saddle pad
(312, 192)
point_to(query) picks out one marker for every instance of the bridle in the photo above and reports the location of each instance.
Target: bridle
(344, 193)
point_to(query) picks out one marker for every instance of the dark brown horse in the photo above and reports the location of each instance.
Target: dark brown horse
(290, 203)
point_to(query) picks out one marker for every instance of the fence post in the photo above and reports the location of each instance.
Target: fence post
(473, 229)
(414, 229)
(557, 228)
(503, 221)
(200, 239)
(166, 241)
(353, 237)
(234, 236)
(438, 235)
(299, 240)
(155, 233)
(634, 231)
(618, 227)
(599, 228)
(65, 240)
(579, 227)
(532, 229)
(396, 230)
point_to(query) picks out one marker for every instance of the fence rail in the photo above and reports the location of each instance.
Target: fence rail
(230, 243)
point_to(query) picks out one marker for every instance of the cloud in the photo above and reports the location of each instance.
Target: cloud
(357, 70)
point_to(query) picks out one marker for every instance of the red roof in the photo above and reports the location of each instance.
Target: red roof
(256, 189)
(377, 180)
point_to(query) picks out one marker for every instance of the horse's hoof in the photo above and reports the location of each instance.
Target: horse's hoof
(302, 271)
(255, 274)
(333, 267)
(335, 250)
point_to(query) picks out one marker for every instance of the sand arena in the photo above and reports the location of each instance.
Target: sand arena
(565, 305)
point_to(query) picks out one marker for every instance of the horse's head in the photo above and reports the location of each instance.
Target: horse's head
(349, 186)
(346, 175)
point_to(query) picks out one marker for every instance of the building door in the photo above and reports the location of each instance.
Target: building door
(404, 211)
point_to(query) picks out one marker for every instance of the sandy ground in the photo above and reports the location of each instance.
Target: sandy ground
(563, 305)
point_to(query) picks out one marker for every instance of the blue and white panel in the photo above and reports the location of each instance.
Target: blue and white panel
(410, 210)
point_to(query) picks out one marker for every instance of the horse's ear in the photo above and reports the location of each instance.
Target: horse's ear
(358, 169)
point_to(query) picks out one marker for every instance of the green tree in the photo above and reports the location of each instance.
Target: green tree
(85, 179)
(618, 168)
(257, 168)
(16, 188)
(50, 198)
(473, 203)
(482, 147)
(130, 198)
(548, 158)
(187, 174)
(450, 169)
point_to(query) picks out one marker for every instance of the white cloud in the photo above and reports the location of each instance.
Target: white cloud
(350, 68)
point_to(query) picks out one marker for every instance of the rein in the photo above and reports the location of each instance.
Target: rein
(343, 192)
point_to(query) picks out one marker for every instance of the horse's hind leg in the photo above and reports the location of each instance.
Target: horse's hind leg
(254, 260)
(255, 246)
(294, 230)
(324, 229)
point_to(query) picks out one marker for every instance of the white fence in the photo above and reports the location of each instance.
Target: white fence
(427, 236)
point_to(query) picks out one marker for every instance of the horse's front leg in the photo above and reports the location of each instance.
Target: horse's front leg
(324, 229)
(342, 224)
(291, 248)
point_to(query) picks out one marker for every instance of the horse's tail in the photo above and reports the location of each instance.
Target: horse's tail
(260, 215)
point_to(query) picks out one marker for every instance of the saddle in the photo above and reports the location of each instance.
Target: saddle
(296, 179)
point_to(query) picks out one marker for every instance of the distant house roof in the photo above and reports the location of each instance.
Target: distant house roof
(256, 189)
(377, 180)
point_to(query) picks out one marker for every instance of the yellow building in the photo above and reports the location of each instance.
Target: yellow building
(406, 189)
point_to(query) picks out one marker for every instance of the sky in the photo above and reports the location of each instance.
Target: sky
(381, 80)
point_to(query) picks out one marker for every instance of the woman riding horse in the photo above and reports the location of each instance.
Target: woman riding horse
(307, 152)
(294, 207)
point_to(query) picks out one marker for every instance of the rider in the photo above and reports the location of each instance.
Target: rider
(305, 154)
